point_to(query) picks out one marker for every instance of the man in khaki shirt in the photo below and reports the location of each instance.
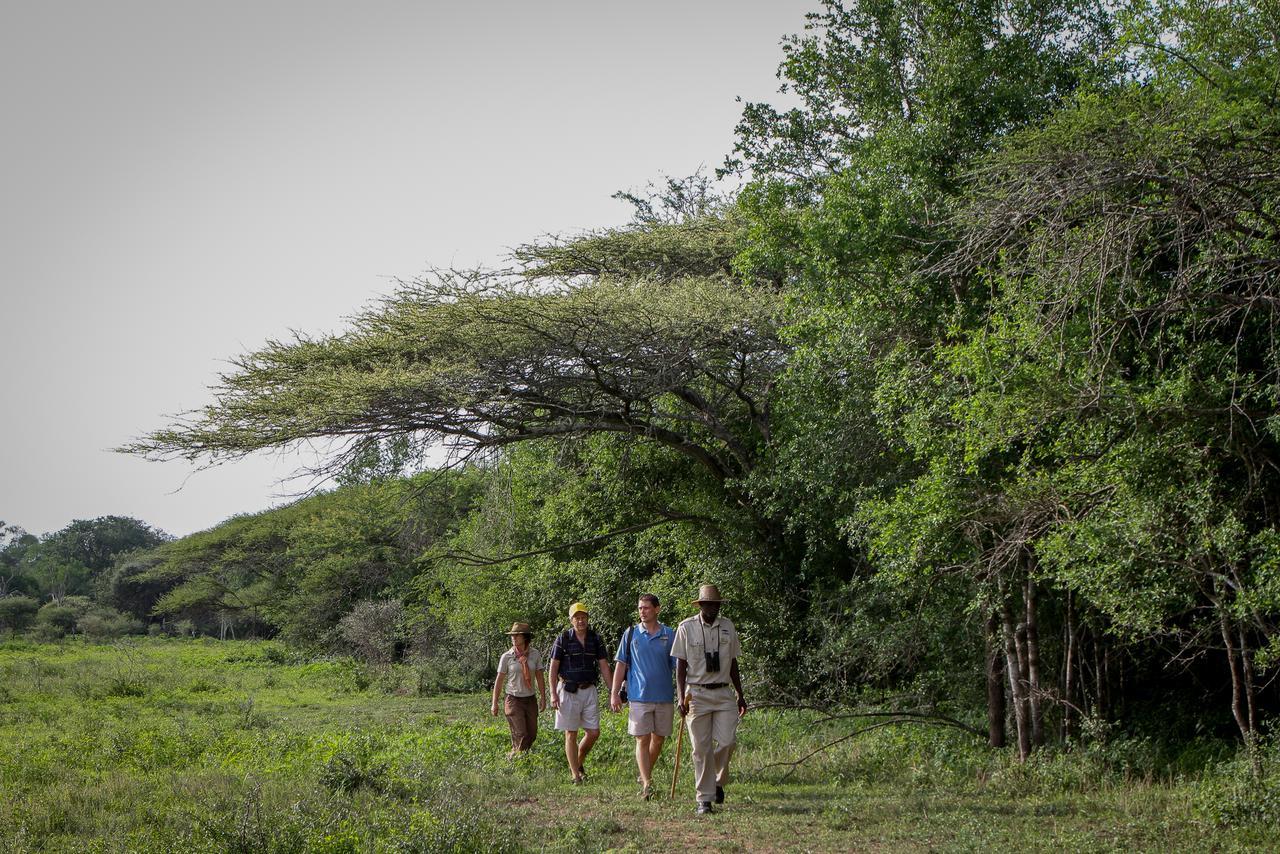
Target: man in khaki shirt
(706, 650)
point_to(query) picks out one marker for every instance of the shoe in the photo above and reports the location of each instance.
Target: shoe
(646, 793)
(704, 807)
(583, 771)
(578, 781)
(719, 794)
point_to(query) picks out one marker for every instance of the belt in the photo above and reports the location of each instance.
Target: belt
(712, 685)
(579, 684)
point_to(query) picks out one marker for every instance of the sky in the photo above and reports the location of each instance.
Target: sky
(181, 182)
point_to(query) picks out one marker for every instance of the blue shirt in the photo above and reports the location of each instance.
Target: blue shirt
(650, 667)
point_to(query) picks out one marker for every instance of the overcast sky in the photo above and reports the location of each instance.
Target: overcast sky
(182, 181)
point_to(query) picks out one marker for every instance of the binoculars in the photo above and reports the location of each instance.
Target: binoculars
(713, 661)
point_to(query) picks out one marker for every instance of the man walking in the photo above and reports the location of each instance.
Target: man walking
(644, 664)
(575, 657)
(706, 648)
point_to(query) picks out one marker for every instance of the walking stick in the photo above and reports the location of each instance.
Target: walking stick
(675, 775)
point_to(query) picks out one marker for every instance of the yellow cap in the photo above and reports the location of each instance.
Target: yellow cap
(575, 608)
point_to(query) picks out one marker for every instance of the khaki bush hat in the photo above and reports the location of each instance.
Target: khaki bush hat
(708, 593)
(577, 607)
(520, 629)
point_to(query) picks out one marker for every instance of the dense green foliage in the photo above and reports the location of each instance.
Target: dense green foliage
(58, 584)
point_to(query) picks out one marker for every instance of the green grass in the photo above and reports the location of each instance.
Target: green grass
(205, 746)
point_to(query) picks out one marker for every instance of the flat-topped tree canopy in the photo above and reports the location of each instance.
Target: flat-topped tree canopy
(491, 358)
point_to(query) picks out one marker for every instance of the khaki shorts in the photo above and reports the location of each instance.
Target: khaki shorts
(579, 710)
(646, 718)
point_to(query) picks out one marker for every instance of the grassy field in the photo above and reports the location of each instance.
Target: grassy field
(206, 746)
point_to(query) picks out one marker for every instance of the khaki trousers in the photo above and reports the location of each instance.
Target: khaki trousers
(713, 730)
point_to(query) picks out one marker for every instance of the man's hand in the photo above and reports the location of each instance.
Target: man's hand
(615, 701)
(742, 705)
(493, 709)
(542, 704)
(684, 708)
(555, 699)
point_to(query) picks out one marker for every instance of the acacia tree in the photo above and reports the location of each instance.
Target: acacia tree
(640, 335)
(492, 361)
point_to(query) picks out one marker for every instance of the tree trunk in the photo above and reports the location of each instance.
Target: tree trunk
(1033, 666)
(996, 707)
(1068, 665)
(1237, 677)
(1017, 683)
(1100, 678)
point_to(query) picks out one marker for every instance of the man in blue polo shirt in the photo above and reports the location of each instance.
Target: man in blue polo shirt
(645, 664)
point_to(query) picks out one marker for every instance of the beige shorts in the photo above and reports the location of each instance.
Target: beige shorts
(646, 718)
(579, 710)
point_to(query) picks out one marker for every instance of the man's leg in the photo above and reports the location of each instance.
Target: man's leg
(584, 747)
(655, 750)
(590, 711)
(571, 752)
(643, 760)
(725, 733)
(703, 765)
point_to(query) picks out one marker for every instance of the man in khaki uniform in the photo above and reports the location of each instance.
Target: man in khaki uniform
(706, 650)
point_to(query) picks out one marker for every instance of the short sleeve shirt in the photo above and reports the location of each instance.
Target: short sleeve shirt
(694, 639)
(509, 666)
(650, 666)
(577, 659)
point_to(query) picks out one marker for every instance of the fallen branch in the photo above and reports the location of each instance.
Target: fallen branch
(890, 719)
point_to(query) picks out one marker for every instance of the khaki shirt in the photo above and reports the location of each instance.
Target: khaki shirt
(694, 639)
(509, 666)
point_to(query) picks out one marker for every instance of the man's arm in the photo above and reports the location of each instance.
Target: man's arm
(605, 673)
(737, 686)
(542, 690)
(682, 668)
(619, 679)
(551, 677)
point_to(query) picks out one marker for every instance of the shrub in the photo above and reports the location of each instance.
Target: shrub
(102, 622)
(373, 629)
(355, 766)
(17, 612)
(56, 619)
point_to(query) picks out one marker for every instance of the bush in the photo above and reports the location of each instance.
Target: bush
(102, 622)
(373, 629)
(17, 612)
(1243, 790)
(57, 619)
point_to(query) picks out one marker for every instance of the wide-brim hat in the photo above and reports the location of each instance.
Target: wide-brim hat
(520, 629)
(708, 593)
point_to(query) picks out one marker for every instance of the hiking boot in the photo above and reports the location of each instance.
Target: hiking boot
(719, 794)
(646, 793)
(704, 807)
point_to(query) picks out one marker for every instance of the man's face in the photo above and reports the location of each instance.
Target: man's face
(710, 610)
(648, 612)
(579, 621)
